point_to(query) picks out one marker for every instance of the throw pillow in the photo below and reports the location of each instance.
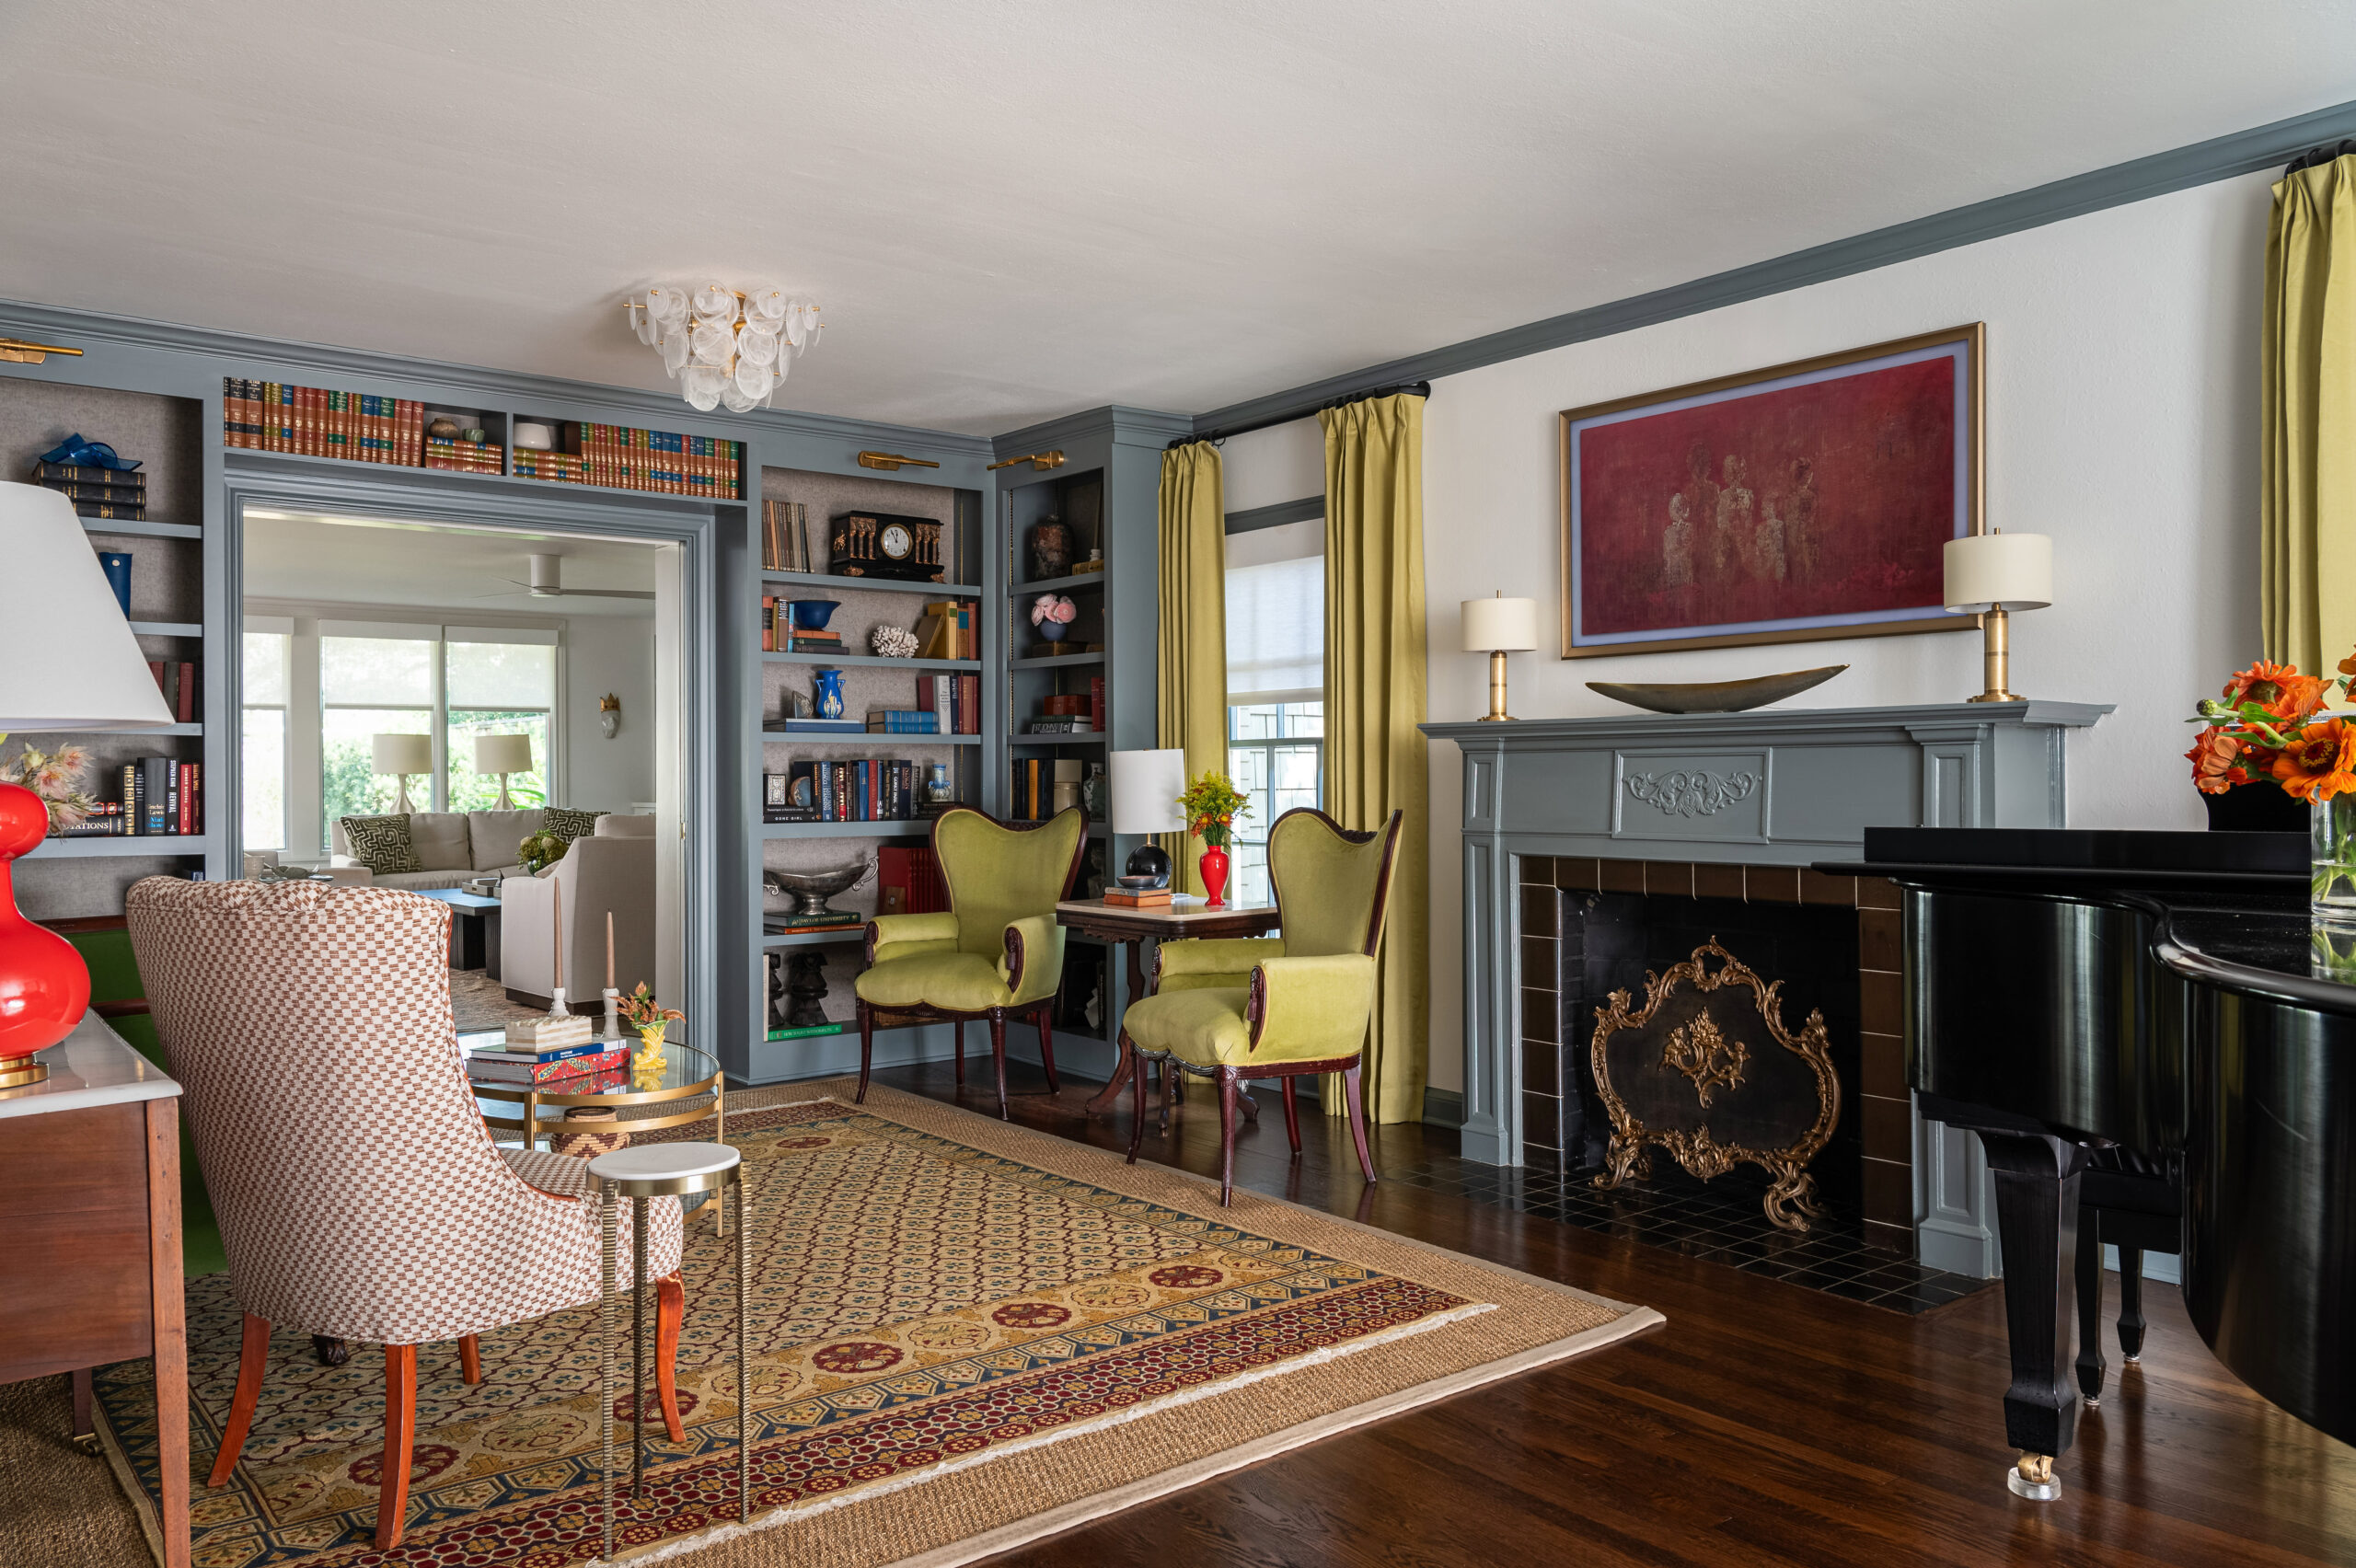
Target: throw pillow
(565, 826)
(382, 844)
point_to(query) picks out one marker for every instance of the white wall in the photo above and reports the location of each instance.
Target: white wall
(610, 655)
(2122, 420)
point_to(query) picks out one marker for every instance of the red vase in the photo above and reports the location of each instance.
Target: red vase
(44, 984)
(1214, 869)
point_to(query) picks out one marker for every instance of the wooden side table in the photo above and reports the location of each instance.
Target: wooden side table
(1133, 928)
(90, 1204)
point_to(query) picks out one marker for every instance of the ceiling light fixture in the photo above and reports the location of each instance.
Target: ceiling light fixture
(723, 346)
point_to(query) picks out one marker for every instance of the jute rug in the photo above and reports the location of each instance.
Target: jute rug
(965, 1335)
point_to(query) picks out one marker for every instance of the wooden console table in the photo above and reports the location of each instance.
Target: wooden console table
(90, 1204)
(1132, 928)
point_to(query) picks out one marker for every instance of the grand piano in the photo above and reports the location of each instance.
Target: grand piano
(2151, 1007)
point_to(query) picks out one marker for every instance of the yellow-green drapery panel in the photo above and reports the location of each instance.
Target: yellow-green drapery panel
(2307, 520)
(1191, 714)
(1374, 700)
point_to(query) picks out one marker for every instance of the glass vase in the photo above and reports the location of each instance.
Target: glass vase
(2332, 860)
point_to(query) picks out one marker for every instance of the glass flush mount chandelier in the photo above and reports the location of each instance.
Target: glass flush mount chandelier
(724, 346)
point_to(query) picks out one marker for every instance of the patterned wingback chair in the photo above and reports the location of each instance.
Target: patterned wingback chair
(1279, 1007)
(359, 1194)
(997, 950)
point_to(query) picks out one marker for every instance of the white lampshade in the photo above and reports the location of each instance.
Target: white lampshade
(502, 754)
(1500, 625)
(403, 753)
(2011, 571)
(74, 664)
(1146, 787)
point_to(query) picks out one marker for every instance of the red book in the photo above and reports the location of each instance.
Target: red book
(186, 711)
(1096, 702)
(156, 668)
(186, 798)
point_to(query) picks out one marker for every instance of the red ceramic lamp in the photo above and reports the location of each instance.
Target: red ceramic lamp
(80, 669)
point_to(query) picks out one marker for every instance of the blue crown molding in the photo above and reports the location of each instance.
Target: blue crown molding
(433, 379)
(2224, 157)
(1117, 423)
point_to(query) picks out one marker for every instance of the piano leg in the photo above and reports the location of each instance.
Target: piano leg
(2090, 1362)
(2037, 1218)
(2130, 1301)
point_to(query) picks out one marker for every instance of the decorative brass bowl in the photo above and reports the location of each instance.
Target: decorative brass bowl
(1716, 696)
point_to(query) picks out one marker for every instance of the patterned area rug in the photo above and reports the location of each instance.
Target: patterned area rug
(965, 1334)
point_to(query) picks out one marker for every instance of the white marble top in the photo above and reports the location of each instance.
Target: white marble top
(89, 1067)
(664, 1161)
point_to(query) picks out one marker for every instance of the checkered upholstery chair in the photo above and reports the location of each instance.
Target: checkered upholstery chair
(359, 1193)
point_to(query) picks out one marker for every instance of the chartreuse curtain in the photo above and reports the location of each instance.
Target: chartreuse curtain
(1192, 686)
(1374, 700)
(2307, 529)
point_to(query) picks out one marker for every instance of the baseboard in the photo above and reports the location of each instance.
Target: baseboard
(1443, 1108)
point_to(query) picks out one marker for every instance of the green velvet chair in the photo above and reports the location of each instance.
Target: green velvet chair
(1282, 1006)
(997, 950)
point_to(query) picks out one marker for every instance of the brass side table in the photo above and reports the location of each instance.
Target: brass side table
(638, 1173)
(687, 1075)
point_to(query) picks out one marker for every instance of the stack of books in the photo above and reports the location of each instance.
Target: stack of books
(903, 722)
(948, 630)
(530, 1063)
(565, 467)
(104, 820)
(465, 457)
(794, 924)
(1137, 897)
(116, 494)
(313, 421)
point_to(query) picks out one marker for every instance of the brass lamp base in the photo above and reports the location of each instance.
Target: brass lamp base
(22, 1071)
(1496, 713)
(1996, 658)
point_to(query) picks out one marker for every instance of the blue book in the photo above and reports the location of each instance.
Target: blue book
(821, 727)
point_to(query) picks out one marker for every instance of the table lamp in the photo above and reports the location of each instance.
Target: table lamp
(503, 754)
(80, 669)
(1146, 787)
(401, 756)
(1497, 627)
(1988, 574)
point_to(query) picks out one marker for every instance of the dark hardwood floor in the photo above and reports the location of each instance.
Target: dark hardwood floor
(1766, 1422)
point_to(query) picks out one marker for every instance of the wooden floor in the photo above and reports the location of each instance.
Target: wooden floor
(1764, 1424)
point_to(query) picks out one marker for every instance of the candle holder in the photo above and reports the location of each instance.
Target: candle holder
(613, 1014)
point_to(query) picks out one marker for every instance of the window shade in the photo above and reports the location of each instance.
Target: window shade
(1275, 632)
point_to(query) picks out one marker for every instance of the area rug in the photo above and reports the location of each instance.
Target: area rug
(965, 1335)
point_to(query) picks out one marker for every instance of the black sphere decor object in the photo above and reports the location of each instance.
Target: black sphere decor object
(2262, 806)
(1149, 861)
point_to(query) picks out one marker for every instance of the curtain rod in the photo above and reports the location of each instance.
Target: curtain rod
(1419, 388)
(2323, 154)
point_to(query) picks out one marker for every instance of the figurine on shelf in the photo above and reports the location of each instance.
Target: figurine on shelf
(1050, 549)
(893, 642)
(806, 986)
(829, 698)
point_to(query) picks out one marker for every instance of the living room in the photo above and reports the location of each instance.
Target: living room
(1331, 785)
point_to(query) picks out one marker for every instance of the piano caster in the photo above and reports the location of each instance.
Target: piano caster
(2032, 1477)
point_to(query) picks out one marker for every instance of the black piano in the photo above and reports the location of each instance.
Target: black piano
(2147, 1015)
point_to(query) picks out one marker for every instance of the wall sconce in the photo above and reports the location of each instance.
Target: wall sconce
(609, 714)
(1040, 461)
(892, 462)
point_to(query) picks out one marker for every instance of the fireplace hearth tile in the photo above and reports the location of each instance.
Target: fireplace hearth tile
(1537, 869)
(1538, 904)
(1817, 888)
(1771, 884)
(1714, 881)
(1621, 876)
(1577, 873)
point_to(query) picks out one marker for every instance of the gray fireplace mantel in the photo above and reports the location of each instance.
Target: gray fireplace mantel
(1771, 787)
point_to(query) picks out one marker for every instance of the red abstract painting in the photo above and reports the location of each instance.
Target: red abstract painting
(1811, 505)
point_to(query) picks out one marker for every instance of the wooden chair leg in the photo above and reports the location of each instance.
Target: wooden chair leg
(471, 1358)
(957, 1028)
(401, 1436)
(2089, 1262)
(1136, 1096)
(670, 1313)
(1047, 1044)
(2130, 1302)
(1292, 1115)
(866, 1050)
(84, 1435)
(1167, 1071)
(253, 1351)
(1357, 1119)
(998, 1058)
(1227, 1086)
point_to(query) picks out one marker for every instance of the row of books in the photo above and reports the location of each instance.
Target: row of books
(955, 700)
(908, 881)
(465, 457)
(1035, 788)
(107, 493)
(177, 681)
(949, 630)
(868, 789)
(785, 536)
(626, 457)
(160, 796)
(315, 422)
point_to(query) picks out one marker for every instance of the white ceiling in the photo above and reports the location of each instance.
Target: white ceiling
(1011, 210)
(323, 560)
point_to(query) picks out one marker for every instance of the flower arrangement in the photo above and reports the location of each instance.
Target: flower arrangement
(540, 851)
(1052, 613)
(56, 778)
(644, 1012)
(1212, 803)
(893, 643)
(2269, 724)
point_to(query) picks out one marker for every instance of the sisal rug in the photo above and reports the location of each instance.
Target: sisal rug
(965, 1335)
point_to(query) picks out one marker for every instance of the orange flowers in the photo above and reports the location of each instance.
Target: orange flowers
(2320, 761)
(2216, 759)
(2280, 688)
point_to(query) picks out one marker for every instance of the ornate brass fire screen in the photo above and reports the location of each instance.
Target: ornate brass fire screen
(1715, 1078)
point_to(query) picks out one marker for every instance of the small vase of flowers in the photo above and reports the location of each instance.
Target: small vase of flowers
(1212, 803)
(56, 778)
(2269, 730)
(1053, 614)
(651, 1021)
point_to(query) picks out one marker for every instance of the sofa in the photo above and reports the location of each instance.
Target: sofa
(452, 847)
(612, 870)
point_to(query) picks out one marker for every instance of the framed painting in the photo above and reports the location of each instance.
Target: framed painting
(1793, 503)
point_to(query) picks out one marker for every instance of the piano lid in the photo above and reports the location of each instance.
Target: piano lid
(2115, 856)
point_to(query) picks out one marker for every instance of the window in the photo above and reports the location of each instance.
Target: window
(264, 758)
(497, 688)
(1276, 680)
(1276, 753)
(370, 687)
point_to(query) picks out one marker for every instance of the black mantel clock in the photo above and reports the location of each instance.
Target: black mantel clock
(879, 544)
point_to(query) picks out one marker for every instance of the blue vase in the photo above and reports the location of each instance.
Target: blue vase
(830, 694)
(1054, 630)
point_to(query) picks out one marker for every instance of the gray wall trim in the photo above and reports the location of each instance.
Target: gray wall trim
(1306, 509)
(1128, 427)
(2244, 152)
(433, 379)
(1443, 1108)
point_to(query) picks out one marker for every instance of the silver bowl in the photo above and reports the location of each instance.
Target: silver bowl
(1716, 696)
(813, 888)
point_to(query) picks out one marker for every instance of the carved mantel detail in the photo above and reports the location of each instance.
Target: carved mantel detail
(1695, 793)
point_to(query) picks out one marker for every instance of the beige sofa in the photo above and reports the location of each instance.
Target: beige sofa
(452, 847)
(610, 871)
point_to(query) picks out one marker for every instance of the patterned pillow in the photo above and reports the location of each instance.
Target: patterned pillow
(382, 844)
(565, 826)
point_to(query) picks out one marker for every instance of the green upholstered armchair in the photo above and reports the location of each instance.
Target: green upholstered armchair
(996, 950)
(1279, 1007)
